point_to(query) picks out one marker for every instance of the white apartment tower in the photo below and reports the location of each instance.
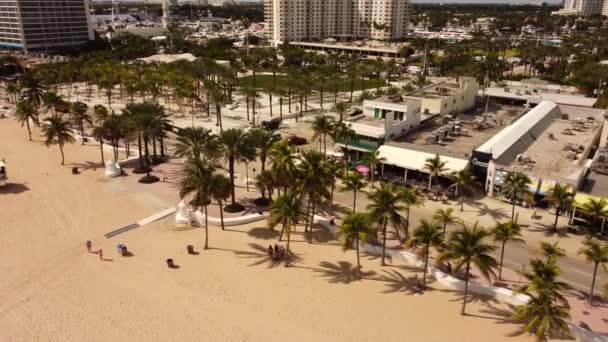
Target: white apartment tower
(44, 25)
(586, 7)
(300, 20)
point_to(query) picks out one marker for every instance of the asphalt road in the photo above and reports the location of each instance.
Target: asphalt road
(575, 270)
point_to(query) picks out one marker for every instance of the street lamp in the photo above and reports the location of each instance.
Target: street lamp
(247, 176)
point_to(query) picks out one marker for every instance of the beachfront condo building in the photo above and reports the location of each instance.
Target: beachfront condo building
(44, 25)
(305, 20)
(584, 7)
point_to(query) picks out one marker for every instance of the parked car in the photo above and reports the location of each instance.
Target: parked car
(272, 124)
(297, 141)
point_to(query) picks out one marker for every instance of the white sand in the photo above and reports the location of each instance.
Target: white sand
(52, 290)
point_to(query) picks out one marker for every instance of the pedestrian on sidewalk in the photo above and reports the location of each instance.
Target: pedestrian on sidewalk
(100, 254)
(89, 245)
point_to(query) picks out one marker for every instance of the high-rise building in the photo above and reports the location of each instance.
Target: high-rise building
(298, 20)
(44, 25)
(584, 7)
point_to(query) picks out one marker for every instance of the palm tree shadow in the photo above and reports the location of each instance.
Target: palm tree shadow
(14, 188)
(260, 254)
(263, 233)
(495, 213)
(87, 165)
(397, 282)
(342, 272)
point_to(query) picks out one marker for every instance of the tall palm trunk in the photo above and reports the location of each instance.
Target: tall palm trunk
(466, 287)
(62, 156)
(146, 156)
(354, 201)
(29, 130)
(281, 108)
(287, 252)
(358, 258)
(426, 264)
(141, 157)
(231, 171)
(82, 132)
(103, 162)
(221, 213)
(593, 283)
(270, 103)
(502, 256)
(312, 220)
(206, 228)
(383, 263)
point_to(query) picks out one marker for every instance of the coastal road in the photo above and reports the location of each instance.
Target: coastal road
(575, 270)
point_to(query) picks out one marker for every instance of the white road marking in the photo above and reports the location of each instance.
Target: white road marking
(584, 273)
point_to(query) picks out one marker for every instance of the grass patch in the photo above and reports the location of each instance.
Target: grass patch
(264, 82)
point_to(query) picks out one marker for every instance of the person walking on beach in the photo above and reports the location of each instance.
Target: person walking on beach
(89, 245)
(100, 254)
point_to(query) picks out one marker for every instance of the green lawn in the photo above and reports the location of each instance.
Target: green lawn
(265, 82)
(514, 52)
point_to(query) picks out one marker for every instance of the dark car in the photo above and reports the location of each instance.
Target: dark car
(297, 141)
(272, 124)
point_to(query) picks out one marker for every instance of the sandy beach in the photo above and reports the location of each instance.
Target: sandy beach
(53, 290)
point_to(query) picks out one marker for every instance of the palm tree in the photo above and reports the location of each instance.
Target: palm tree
(355, 183)
(468, 247)
(236, 146)
(514, 184)
(543, 318)
(551, 250)
(341, 108)
(13, 90)
(196, 142)
(543, 278)
(286, 210)
(597, 253)
(597, 209)
(263, 140)
(464, 180)
(385, 206)
(33, 89)
(98, 133)
(220, 191)
(265, 181)
(25, 113)
(334, 170)
(197, 179)
(410, 198)
(314, 182)
(322, 126)
(56, 130)
(343, 133)
(427, 234)
(80, 116)
(445, 217)
(354, 229)
(373, 159)
(51, 100)
(505, 232)
(559, 196)
(219, 98)
(435, 166)
(283, 163)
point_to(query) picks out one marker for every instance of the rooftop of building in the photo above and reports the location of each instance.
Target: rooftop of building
(443, 87)
(473, 132)
(560, 151)
(536, 90)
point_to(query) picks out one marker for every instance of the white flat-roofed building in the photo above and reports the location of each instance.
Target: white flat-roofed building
(382, 120)
(535, 91)
(450, 96)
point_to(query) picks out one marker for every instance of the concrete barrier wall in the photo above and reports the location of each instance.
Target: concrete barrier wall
(447, 280)
(229, 221)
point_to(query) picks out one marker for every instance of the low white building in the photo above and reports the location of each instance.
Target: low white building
(382, 120)
(453, 95)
